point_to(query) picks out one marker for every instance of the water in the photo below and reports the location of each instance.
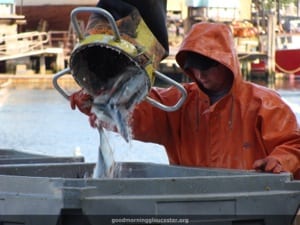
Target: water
(41, 121)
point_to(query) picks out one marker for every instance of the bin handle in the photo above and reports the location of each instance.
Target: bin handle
(105, 13)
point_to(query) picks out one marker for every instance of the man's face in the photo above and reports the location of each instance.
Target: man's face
(214, 78)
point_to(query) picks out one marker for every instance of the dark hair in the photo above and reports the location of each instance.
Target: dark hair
(198, 61)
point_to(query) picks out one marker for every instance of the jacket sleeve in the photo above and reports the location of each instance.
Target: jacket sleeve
(280, 133)
(151, 124)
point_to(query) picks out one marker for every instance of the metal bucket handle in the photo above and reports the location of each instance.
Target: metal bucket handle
(177, 85)
(150, 100)
(103, 12)
(56, 85)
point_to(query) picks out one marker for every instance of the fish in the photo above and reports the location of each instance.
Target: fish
(105, 164)
(115, 106)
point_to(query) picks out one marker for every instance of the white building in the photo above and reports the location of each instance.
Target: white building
(21, 51)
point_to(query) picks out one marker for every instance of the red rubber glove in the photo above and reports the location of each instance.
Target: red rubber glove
(82, 101)
(268, 164)
(93, 120)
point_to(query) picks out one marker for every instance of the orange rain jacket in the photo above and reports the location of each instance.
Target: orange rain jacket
(251, 122)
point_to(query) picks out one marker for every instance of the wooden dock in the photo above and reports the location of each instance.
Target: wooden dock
(35, 81)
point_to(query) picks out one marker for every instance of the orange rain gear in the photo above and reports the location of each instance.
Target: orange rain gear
(250, 122)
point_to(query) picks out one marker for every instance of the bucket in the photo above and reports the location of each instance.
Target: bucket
(104, 54)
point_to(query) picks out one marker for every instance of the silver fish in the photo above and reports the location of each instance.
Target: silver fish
(105, 164)
(115, 105)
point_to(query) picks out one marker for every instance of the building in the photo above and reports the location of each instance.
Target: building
(212, 9)
(24, 52)
(50, 15)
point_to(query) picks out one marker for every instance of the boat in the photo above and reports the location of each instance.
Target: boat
(287, 55)
(27, 51)
(49, 15)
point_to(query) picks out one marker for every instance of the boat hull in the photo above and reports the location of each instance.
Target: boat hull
(288, 61)
(49, 17)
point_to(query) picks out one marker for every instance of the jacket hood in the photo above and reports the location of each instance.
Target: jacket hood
(213, 40)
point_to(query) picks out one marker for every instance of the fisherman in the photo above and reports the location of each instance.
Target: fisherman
(225, 122)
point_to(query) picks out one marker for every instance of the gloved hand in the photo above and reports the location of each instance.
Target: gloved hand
(268, 164)
(82, 100)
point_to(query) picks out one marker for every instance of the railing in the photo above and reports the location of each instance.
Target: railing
(22, 43)
(62, 39)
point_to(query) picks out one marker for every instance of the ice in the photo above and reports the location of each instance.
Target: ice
(136, 151)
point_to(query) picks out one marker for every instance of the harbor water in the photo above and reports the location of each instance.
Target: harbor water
(41, 121)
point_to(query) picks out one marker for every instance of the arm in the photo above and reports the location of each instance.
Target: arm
(150, 123)
(281, 136)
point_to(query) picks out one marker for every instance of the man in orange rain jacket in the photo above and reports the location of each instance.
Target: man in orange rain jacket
(225, 122)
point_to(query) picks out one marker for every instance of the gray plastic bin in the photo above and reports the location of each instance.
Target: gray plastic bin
(144, 193)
